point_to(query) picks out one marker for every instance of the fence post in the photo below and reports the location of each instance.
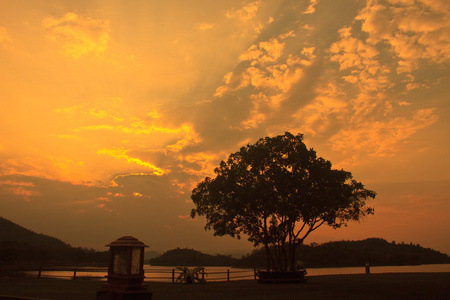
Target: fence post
(367, 268)
(39, 272)
(173, 275)
(228, 274)
(203, 274)
(74, 274)
(254, 273)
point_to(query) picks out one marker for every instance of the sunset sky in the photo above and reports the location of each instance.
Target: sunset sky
(111, 111)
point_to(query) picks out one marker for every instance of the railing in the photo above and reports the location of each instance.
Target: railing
(165, 275)
(211, 276)
(230, 275)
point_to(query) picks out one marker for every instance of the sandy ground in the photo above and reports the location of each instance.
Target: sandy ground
(374, 286)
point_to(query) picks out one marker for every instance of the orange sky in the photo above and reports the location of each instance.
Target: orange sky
(111, 110)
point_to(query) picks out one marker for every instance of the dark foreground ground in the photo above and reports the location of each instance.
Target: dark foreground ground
(374, 286)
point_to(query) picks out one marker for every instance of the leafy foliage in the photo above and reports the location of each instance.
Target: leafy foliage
(276, 192)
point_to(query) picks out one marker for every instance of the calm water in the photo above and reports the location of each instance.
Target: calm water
(164, 274)
(384, 269)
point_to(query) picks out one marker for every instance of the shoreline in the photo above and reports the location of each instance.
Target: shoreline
(348, 286)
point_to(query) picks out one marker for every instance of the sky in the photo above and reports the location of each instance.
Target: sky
(111, 111)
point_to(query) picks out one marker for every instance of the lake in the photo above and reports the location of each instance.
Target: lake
(380, 269)
(164, 274)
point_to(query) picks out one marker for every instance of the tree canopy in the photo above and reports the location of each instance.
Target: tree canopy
(276, 192)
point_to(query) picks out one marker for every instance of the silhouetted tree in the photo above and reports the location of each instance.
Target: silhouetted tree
(277, 192)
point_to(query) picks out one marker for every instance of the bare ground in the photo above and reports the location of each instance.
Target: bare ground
(374, 286)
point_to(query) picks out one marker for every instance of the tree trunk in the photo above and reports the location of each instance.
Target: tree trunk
(289, 251)
(279, 257)
(293, 253)
(285, 256)
(269, 257)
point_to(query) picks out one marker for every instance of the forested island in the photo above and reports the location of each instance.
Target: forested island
(20, 245)
(191, 257)
(376, 251)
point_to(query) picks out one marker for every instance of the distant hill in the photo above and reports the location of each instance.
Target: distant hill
(150, 254)
(11, 232)
(376, 251)
(191, 257)
(18, 244)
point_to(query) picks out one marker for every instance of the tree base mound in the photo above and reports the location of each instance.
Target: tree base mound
(282, 276)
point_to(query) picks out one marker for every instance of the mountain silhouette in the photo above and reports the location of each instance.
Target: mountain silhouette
(11, 232)
(18, 244)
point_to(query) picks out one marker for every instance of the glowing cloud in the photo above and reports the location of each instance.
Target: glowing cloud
(200, 164)
(78, 35)
(122, 154)
(24, 189)
(312, 7)
(4, 36)
(414, 31)
(381, 138)
(245, 13)
(205, 26)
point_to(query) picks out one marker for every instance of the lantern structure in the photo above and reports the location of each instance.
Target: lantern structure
(125, 271)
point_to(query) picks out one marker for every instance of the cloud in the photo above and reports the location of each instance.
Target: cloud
(148, 144)
(244, 13)
(250, 19)
(264, 52)
(200, 164)
(269, 73)
(16, 186)
(25, 166)
(381, 138)
(205, 26)
(114, 119)
(312, 7)
(121, 153)
(5, 38)
(364, 96)
(78, 35)
(414, 30)
(327, 110)
(350, 51)
(102, 114)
